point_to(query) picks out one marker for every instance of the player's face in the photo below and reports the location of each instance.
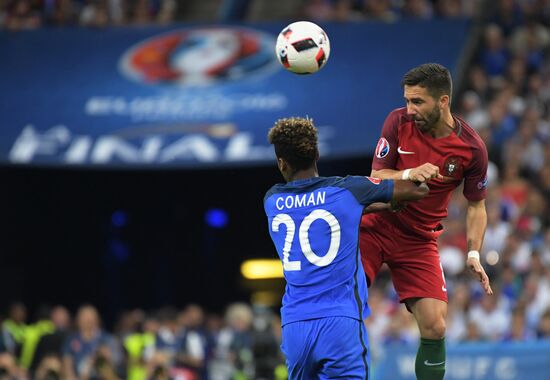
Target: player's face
(422, 107)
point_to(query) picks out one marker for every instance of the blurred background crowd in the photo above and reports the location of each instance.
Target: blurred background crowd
(29, 14)
(504, 93)
(168, 343)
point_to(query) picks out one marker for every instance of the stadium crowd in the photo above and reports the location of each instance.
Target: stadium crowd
(505, 97)
(184, 344)
(32, 14)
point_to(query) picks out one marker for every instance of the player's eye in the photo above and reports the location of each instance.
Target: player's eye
(305, 44)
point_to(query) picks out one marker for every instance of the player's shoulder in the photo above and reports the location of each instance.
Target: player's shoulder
(302, 186)
(275, 189)
(469, 135)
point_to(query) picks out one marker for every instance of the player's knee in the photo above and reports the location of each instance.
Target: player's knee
(434, 330)
(439, 328)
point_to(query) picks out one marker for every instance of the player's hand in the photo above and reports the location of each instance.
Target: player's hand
(424, 173)
(477, 269)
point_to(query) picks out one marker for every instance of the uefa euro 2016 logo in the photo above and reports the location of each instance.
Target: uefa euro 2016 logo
(200, 57)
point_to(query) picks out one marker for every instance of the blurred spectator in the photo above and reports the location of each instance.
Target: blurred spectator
(166, 340)
(94, 14)
(140, 346)
(81, 353)
(418, 9)
(52, 344)
(497, 229)
(13, 328)
(380, 10)
(266, 354)
(491, 316)
(529, 41)
(191, 354)
(449, 8)
(22, 14)
(233, 348)
(457, 319)
(507, 14)
(495, 56)
(319, 10)
(519, 330)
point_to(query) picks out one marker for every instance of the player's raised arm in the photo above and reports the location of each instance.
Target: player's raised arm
(409, 191)
(403, 191)
(422, 173)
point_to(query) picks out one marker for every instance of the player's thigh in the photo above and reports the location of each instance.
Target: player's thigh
(416, 270)
(343, 350)
(298, 342)
(370, 246)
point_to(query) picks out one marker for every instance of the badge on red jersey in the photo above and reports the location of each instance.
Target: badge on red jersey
(374, 180)
(453, 167)
(382, 148)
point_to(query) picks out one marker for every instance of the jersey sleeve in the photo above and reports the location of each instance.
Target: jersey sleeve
(475, 177)
(385, 154)
(368, 190)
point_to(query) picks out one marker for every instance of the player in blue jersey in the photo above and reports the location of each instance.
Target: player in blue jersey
(314, 224)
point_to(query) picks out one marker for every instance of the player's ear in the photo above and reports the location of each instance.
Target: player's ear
(281, 164)
(444, 101)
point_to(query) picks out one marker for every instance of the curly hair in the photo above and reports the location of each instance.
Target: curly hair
(295, 140)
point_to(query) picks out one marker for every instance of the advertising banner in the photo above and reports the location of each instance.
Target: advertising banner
(200, 95)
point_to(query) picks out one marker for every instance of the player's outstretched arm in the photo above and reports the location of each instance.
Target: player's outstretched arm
(402, 191)
(422, 173)
(409, 191)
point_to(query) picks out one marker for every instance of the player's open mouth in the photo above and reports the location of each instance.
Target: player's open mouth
(419, 123)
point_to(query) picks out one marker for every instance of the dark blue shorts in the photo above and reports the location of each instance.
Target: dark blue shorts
(326, 348)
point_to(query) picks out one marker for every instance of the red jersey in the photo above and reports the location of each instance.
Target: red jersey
(460, 156)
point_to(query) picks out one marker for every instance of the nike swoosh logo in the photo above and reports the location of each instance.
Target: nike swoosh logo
(401, 151)
(432, 364)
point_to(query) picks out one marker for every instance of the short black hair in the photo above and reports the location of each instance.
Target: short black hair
(434, 77)
(295, 140)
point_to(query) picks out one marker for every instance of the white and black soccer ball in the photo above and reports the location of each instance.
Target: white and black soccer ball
(302, 47)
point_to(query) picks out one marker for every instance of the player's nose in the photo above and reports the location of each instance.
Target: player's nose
(411, 111)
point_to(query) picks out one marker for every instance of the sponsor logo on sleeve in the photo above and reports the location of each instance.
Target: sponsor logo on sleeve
(483, 184)
(382, 148)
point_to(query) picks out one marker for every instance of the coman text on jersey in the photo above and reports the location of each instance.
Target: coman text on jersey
(300, 200)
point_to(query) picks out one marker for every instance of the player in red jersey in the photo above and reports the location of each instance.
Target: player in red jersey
(424, 142)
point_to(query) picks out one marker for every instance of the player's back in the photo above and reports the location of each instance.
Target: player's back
(314, 224)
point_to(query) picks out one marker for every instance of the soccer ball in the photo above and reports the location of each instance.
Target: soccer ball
(302, 47)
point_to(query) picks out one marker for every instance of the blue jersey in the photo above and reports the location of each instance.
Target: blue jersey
(314, 224)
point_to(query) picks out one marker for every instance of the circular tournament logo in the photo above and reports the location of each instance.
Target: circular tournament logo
(382, 148)
(200, 56)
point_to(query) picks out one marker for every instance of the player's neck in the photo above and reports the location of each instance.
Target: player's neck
(303, 174)
(445, 126)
